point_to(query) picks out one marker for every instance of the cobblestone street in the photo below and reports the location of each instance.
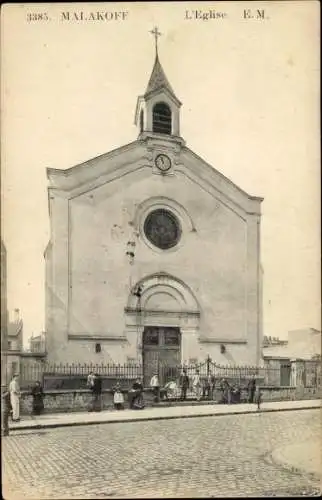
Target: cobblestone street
(207, 457)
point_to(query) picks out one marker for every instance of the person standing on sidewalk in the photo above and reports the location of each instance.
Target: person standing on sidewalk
(212, 383)
(97, 393)
(14, 390)
(90, 380)
(5, 410)
(118, 397)
(226, 391)
(251, 389)
(155, 386)
(37, 399)
(171, 390)
(184, 383)
(196, 385)
(208, 388)
(258, 397)
(136, 395)
(90, 385)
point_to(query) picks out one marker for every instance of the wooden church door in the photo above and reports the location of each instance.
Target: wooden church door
(161, 353)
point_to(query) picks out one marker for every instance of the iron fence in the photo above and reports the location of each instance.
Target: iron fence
(234, 375)
(74, 376)
(312, 374)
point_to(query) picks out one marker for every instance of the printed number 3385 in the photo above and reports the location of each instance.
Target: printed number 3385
(35, 16)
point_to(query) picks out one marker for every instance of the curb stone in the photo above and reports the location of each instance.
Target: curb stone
(299, 492)
(291, 468)
(165, 417)
(270, 459)
(312, 490)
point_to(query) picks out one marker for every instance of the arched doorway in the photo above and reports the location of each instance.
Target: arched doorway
(162, 324)
(161, 353)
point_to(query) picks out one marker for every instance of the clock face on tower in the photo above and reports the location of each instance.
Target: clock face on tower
(163, 162)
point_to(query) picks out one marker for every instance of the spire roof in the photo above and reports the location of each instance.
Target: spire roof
(158, 80)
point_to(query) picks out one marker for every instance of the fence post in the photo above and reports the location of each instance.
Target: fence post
(208, 364)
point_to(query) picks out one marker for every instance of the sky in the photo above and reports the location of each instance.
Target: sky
(250, 94)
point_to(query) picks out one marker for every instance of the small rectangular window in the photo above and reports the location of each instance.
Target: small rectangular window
(151, 337)
(171, 337)
(98, 348)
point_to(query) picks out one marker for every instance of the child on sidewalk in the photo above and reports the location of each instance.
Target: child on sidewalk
(118, 398)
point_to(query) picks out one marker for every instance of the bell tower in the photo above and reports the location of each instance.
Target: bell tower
(158, 110)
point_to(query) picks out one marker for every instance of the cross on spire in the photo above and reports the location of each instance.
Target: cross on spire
(156, 34)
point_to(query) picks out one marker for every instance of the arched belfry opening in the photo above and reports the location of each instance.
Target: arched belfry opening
(159, 104)
(161, 118)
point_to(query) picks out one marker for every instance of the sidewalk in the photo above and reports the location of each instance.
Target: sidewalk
(107, 417)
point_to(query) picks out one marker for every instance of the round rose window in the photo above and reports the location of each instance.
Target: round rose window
(162, 229)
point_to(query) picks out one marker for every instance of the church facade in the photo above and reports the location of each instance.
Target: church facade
(154, 256)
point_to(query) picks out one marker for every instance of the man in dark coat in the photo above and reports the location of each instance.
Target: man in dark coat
(97, 393)
(251, 389)
(6, 410)
(37, 399)
(184, 383)
(258, 397)
(226, 391)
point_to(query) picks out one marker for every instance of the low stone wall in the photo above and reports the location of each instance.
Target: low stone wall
(290, 393)
(58, 401)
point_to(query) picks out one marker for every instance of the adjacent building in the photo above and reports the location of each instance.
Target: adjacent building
(14, 344)
(37, 343)
(15, 332)
(11, 329)
(301, 349)
(4, 314)
(14, 358)
(304, 344)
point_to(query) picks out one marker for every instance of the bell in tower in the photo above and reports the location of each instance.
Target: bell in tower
(158, 110)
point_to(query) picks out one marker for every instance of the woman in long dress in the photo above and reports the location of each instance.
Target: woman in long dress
(137, 402)
(171, 389)
(37, 399)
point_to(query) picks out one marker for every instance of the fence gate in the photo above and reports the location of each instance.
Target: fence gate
(285, 374)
